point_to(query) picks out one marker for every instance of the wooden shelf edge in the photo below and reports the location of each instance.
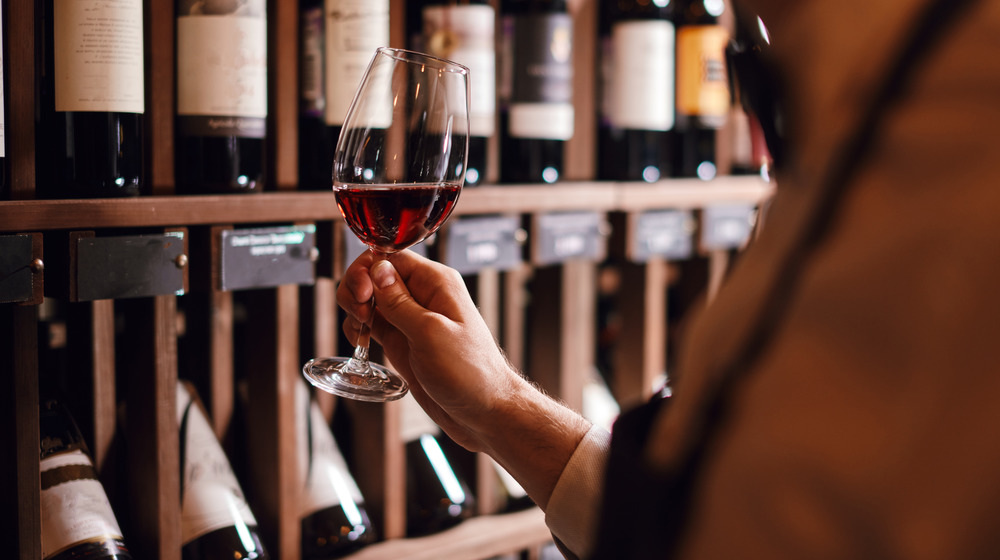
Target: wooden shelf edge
(692, 193)
(289, 206)
(474, 539)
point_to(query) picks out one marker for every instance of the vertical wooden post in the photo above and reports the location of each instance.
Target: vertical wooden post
(488, 299)
(19, 476)
(160, 22)
(283, 93)
(563, 329)
(272, 349)
(514, 314)
(153, 513)
(19, 97)
(641, 353)
(381, 463)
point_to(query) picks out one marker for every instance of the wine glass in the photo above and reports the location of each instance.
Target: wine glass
(398, 169)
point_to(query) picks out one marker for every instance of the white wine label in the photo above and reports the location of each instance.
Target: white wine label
(74, 506)
(465, 34)
(354, 30)
(211, 497)
(222, 65)
(553, 121)
(98, 55)
(328, 480)
(640, 93)
(413, 421)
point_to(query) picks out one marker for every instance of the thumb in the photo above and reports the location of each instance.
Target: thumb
(393, 299)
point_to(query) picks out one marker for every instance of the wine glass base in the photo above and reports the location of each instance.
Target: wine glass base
(344, 377)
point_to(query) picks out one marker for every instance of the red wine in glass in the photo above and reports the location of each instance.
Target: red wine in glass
(390, 218)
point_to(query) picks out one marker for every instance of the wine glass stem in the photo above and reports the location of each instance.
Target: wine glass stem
(364, 335)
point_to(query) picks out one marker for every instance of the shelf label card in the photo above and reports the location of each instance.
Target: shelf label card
(663, 233)
(727, 226)
(132, 266)
(570, 235)
(15, 269)
(268, 257)
(484, 242)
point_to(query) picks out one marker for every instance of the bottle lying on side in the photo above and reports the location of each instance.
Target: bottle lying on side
(216, 521)
(77, 520)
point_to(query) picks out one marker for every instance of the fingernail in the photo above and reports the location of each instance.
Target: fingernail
(383, 275)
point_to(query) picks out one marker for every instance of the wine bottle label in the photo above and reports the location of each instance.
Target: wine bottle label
(211, 497)
(222, 69)
(74, 507)
(98, 55)
(465, 34)
(413, 421)
(639, 76)
(541, 88)
(311, 65)
(328, 480)
(354, 29)
(702, 83)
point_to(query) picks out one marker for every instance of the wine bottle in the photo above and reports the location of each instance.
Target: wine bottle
(221, 97)
(634, 132)
(91, 91)
(338, 40)
(464, 31)
(702, 86)
(536, 90)
(513, 495)
(216, 521)
(437, 497)
(77, 520)
(334, 519)
(748, 147)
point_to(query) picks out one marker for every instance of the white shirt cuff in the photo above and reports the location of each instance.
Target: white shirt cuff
(574, 508)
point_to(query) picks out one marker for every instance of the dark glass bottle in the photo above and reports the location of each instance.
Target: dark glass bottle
(216, 521)
(338, 40)
(636, 109)
(464, 31)
(702, 86)
(437, 495)
(91, 94)
(334, 519)
(221, 97)
(68, 479)
(747, 145)
(536, 90)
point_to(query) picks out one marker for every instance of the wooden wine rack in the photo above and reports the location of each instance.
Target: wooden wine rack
(144, 480)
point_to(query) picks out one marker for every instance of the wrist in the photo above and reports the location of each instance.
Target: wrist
(533, 436)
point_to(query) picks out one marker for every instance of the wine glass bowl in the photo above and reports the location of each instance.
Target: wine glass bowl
(398, 170)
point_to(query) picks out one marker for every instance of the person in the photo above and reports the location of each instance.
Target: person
(836, 399)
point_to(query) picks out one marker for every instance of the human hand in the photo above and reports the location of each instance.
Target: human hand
(433, 335)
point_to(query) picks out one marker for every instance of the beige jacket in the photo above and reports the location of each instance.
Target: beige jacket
(870, 425)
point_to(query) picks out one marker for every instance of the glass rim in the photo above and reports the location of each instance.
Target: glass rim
(415, 56)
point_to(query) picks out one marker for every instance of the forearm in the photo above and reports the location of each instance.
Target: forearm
(533, 437)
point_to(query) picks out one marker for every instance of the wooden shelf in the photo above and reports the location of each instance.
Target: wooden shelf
(292, 206)
(477, 538)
